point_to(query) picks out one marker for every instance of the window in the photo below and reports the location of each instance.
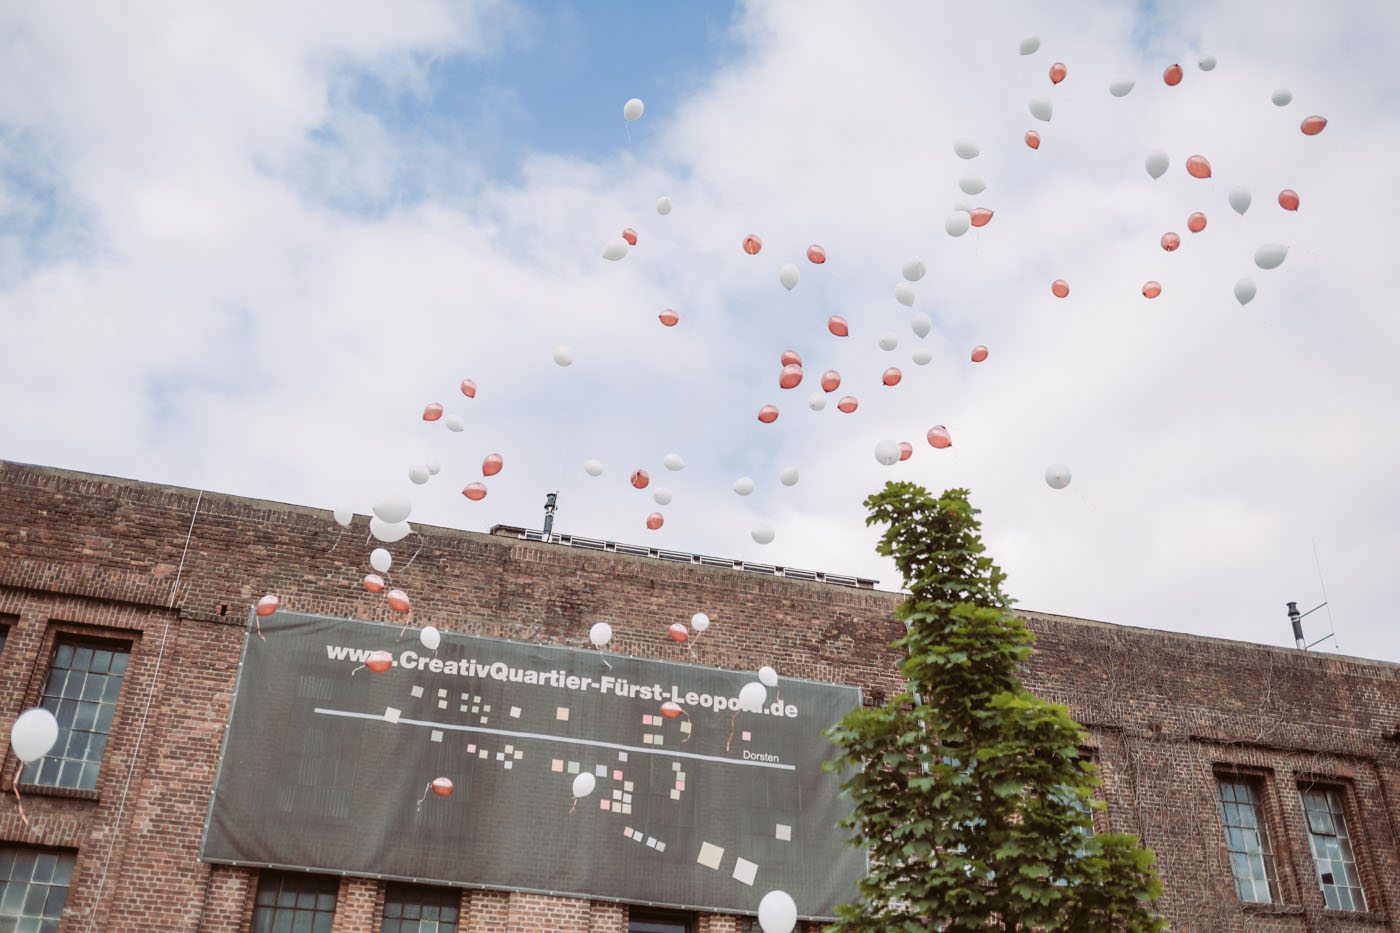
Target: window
(33, 887)
(1331, 848)
(85, 678)
(1247, 838)
(415, 909)
(642, 920)
(288, 901)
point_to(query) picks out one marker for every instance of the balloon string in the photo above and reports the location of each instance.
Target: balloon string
(415, 553)
(731, 730)
(360, 668)
(1085, 500)
(337, 540)
(605, 661)
(692, 727)
(426, 787)
(257, 621)
(575, 806)
(19, 803)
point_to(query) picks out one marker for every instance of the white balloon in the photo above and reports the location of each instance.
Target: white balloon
(615, 249)
(1041, 108)
(1270, 255)
(966, 149)
(816, 401)
(1244, 291)
(763, 534)
(904, 294)
(381, 560)
(1282, 97)
(600, 634)
(1057, 476)
(388, 532)
(1120, 88)
(743, 485)
(767, 676)
(1240, 199)
(957, 223)
(454, 424)
(1207, 63)
(699, 621)
(392, 509)
(788, 476)
(343, 517)
(787, 275)
(1029, 45)
(913, 269)
(563, 355)
(663, 206)
(1157, 163)
(886, 452)
(593, 467)
(777, 912)
(751, 697)
(972, 184)
(434, 468)
(921, 324)
(963, 205)
(662, 496)
(632, 109)
(584, 782)
(889, 340)
(430, 637)
(922, 356)
(673, 462)
(33, 734)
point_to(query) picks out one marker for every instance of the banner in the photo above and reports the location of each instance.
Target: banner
(327, 766)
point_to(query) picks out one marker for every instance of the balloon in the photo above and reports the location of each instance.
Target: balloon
(886, 452)
(661, 496)
(966, 149)
(600, 634)
(972, 184)
(1270, 255)
(957, 223)
(816, 255)
(1244, 291)
(904, 294)
(432, 412)
(1057, 476)
(374, 583)
(1282, 97)
(615, 249)
(938, 437)
(787, 276)
(831, 380)
(699, 621)
(1041, 109)
(398, 600)
(1059, 288)
(913, 269)
(418, 475)
(491, 465)
(763, 534)
(1151, 289)
(389, 532)
(752, 244)
(268, 605)
(1198, 166)
(1156, 163)
(1313, 125)
(434, 468)
(767, 676)
(979, 216)
(1058, 72)
(847, 404)
(380, 559)
(888, 340)
(430, 637)
(593, 467)
(1172, 75)
(922, 356)
(1196, 222)
(671, 709)
(906, 450)
(1033, 139)
(584, 782)
(630, 236)
(1240, 199)
(1288, 199)
(663, 206)
(921, 324)
(379, 661)
(563, 355)
(743, 485)
(1207, 63)
(1028, 47)
(751, 697)
(790, 377)
(768, 414)
(678, 632)
(33, 734)
(632, 109)
(668, 317)
(441, 786)
(655, 520)
(891, 376)
(979, 353)
(777, 912)
(837, 326)
(454, 423)
(1170, 241)
(475, 491)
(640, 479)
(1120, 88)
(788, 476)
(343, 517)
(816, 401)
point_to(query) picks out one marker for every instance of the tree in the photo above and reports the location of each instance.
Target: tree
(969, 791)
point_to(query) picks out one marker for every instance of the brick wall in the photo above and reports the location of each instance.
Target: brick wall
(1165, 712)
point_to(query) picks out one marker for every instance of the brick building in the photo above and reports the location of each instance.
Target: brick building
(1237, 763)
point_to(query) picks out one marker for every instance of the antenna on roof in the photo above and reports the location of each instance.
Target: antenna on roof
(1297, 618)
(550, 501)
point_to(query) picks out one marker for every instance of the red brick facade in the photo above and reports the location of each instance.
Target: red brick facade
(96, 556)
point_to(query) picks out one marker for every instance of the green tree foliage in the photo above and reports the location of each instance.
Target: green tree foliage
(969, 792)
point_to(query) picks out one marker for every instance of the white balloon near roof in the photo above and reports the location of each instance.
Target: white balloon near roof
(33, 734)
(381, 560)
(787, 276)
(972, 184)
(388, 532)
(564, 356)
(615, 249)
(777, 911)
(632, 109)
(922, 356)
(966, 149)
(1270, 255)
(763, 534)
(788, 476)
(593, 467)
(430, 637)
(767, 676)
(663, 206)
(699, 621)
(921, 324)
(343, 517)
(913, 269)
(1120, 88)
(743, 485)
(584, 782)
(1057, 476)
(1245, 291)
(751, 697)
(418, 475)
(600, 634)
(392, 509)
(957, 223)
(904, 294)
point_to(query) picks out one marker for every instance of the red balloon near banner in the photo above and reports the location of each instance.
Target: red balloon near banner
(655, 520)
(979, 353)
(268, 605)
(398, 600)
(831, 380)
(679, 632)
(1033, 139)
(379, 661)
(1172, 75)
(492, 465)
(1198, 166)
(1058, 72)
(1288, 199)
(468, 388)
(669, 317)
(374, 583)
(630, 236)
(671, 709)
(1152, 289)
(475, 491)
(790, 358)
(768, 414)
(1059, 288)
(752, 244)
(837, 325)
(848, 404)
(432, 412)
(906, 450)
(1196, 222)
(1313, 125)
(816, 255)
(891, 376)
(1170, 241)
(790, 377)
(441, 786)
(938, 437)
(981, 216)
(640, 479)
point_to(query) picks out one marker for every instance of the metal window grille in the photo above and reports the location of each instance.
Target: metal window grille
(33, 887)
(411, 908)
(1247, 839)
(84, 682)
(1331, 848)
(290, 902)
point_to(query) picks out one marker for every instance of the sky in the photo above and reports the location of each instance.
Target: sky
(242, 246)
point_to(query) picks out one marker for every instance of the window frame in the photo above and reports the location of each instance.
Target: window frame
(1266, 829)
(8, 852)
(275, 908)
(454, 895)
(686, 920)
(1350, 823)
